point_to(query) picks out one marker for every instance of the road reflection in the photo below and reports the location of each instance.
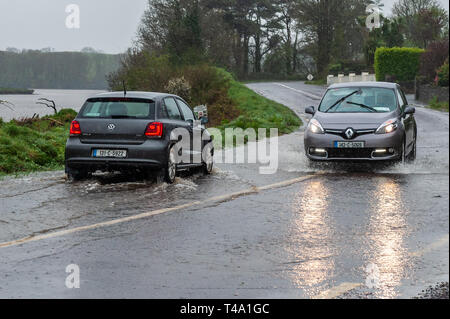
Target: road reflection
(312, 232)
(387, 232)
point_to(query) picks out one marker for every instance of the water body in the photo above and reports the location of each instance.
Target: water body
(25, 105)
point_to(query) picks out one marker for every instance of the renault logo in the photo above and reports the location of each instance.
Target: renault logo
(111, 127)
(349, 133)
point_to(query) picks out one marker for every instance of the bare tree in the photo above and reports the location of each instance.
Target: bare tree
(7, 104)
(48, 103)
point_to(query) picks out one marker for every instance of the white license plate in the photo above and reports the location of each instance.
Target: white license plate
(349, 144)
(110, 153)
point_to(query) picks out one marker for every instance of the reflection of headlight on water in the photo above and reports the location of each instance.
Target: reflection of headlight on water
(387, 231)
(312, 233)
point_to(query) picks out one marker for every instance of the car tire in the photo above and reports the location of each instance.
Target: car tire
(169, 173)
(77, 174)
(208, 163)
(412, 156)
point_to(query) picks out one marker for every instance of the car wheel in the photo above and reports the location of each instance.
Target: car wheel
(403, 157)
(412, 156)
(77, 174)
(208, 162)
(170, 171)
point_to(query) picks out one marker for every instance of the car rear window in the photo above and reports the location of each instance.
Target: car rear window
(118, 108)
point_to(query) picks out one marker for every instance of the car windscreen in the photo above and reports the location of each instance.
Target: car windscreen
(118, 108)
(359, 100)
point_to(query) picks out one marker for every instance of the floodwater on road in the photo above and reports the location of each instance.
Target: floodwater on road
(25, 105)
(336, 226)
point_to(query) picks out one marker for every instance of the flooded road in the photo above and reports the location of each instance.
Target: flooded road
(321, 232)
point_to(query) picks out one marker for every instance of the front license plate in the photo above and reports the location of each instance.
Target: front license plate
(110, 153)
(349, 144)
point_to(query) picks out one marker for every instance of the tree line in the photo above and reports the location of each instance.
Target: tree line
(55, 70)
(283, 37)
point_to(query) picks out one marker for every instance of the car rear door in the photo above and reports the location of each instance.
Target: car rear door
(195, 131)
(172, 117)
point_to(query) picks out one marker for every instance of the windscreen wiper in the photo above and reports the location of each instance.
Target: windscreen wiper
(364, 106)
(341, 100)
(122, 117)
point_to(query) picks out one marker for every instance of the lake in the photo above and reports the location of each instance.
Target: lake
(25, 105)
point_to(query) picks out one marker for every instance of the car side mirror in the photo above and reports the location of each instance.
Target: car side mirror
(191, 122)
(201, 114)
(310, 110)
(409, 110)
(204, 120)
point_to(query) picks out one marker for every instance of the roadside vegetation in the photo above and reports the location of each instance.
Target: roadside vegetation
(435, 104)
(34, 144)
(230, 103)
(317, 82)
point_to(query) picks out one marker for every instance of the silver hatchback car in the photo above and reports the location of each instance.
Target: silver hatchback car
(369, 121)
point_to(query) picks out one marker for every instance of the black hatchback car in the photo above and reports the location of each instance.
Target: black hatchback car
(135, 131)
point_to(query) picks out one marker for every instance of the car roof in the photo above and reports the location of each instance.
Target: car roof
(133, 94)
(386, 85)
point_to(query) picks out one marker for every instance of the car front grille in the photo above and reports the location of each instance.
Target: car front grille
(363, 153)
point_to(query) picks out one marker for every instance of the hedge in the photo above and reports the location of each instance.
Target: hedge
(401, 63)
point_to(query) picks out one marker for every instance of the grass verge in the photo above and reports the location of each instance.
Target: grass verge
(439, 106)
(31, 145)
(317, 82)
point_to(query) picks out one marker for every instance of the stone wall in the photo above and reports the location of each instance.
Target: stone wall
(426, 92)
(352, 77)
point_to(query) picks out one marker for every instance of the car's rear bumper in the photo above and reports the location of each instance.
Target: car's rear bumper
(150, 154)
(392, 143)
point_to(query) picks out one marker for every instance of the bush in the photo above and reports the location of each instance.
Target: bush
(432, 59)
(349, 66)
(443, 75)
(335, 68)
(180, 87)
(401, 63)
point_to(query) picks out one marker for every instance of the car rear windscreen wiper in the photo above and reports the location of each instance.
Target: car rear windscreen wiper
(363, 106)
(122, 117)
(341, 100)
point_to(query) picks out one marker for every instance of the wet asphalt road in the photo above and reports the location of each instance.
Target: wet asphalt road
(311, 238)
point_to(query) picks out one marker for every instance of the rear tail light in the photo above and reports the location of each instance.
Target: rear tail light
(154, 129)
(75, 129)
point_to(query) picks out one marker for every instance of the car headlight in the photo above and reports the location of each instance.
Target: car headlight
(315, 127)
(387, 127)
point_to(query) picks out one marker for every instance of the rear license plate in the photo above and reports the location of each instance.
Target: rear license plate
(349, 144)
(110, 153)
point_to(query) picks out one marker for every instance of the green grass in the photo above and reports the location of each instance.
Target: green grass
(317, 82)
(34, 145)
(439, 106)
(257, 112)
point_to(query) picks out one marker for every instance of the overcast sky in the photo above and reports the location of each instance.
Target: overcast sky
(107, 25)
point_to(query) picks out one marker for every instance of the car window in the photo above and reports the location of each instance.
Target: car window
(401, 99)
(119, 108)
(366, 99)
(169, 110)
(404, 96)
(187, 112)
